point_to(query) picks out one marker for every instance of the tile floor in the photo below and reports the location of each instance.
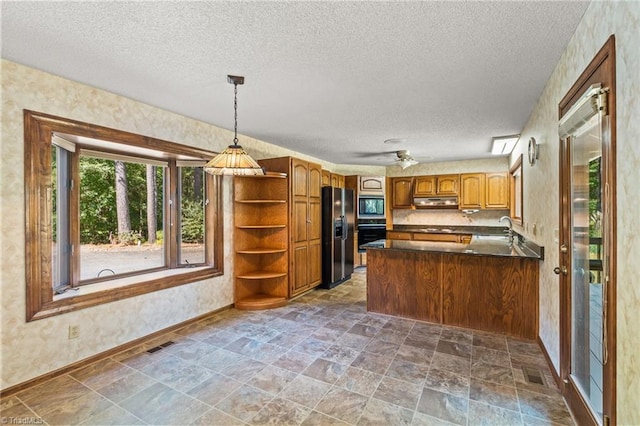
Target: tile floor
(321, 360)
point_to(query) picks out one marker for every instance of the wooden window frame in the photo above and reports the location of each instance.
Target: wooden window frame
(38, 131)
(516, 191)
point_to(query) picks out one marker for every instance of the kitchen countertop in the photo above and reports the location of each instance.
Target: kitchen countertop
(456, 230)
(480, 245)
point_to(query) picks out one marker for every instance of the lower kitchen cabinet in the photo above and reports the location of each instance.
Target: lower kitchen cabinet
(490, 293)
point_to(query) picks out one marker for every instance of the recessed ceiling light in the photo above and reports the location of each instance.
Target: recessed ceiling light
(395, 141)
(503, 145)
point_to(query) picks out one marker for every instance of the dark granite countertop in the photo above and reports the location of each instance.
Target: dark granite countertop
(480, 245)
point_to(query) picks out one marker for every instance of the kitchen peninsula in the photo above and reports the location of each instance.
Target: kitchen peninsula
(489, 283)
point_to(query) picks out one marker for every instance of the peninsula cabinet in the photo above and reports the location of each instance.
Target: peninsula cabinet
(305, 221)
(261, 216)
(401, 188)
(491, 293)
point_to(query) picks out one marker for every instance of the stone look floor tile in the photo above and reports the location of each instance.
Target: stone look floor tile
(319, 419)
(444, 406)
(379, 412)
(494, 394)
(245, 402)
(446, 381)
(455, 364)
(359, 381)
(544, 407)
(492, 373)
(372, 362)
(342, 404)
(50, 395)
(214, 389)
(113, 415)
(398, 392)
(281, 412)
(326, 371)
(490, 341)
(491, 356)
(217, 417)
(320, 360)
(453, 348)
(126, 386)
(408, 371)
(482, 414)
(305, 391)
(161, 405)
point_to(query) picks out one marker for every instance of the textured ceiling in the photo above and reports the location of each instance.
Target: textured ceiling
(330, 79)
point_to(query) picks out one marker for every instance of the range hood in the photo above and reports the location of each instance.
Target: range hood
(435, 202)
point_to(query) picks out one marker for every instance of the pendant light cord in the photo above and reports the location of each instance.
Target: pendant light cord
(235, 116)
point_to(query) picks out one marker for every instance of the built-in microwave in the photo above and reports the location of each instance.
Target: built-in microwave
(370, 206)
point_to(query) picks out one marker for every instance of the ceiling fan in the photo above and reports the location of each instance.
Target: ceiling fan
(405, 159)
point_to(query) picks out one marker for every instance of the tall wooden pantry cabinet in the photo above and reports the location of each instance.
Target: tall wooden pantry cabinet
(305, 221)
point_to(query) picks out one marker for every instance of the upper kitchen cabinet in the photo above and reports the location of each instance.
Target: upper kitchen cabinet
(447, 184)
(472, 191)
(305, 221)
(401, 188)
(371, 185)
(337, 181)
(429, 186)
(425, 186)
(497, 191)
(326, 178)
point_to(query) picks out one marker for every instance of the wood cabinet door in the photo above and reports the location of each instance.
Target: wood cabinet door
(425, 186)
(447, 184)
(371, 185)
(497, 196)
(449, 238)
(402, 196)
(315, 180)
(472, 193)
(396, 235)
(326, 178)
(341, 181)
(300, 179)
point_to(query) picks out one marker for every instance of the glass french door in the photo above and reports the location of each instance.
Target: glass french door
(585, 253)
(587, 278)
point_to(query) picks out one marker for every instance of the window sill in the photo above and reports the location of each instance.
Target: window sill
(122, 288)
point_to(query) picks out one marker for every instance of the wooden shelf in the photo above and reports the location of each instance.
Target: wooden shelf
(261, 201)
(261, 275)
(261, 217)
(259, 250)
(260, 301)
(261, 226)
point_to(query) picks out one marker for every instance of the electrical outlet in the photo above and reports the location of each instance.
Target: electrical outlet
(74, 332)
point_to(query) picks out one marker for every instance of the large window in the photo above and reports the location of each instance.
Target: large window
(111, 214)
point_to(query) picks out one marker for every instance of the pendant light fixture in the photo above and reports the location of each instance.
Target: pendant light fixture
(234, 160)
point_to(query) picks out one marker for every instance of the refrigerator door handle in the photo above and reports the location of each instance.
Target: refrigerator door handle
(345, 227)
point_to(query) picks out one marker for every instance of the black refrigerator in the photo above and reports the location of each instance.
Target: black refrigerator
(338, 220)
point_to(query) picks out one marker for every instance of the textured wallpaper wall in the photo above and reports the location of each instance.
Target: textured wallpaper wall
(32, 349)
(541, 185)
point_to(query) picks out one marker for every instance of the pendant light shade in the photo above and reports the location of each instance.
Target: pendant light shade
(234, 160)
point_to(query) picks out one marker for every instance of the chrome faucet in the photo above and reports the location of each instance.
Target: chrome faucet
(508, 232)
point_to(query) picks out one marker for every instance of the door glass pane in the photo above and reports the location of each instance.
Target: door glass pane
(586, 268)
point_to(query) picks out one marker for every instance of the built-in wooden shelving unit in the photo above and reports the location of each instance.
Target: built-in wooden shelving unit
(261, 218)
